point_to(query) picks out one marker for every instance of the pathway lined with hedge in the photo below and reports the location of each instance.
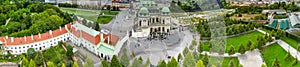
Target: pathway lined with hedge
(286, 47)
(289, 49)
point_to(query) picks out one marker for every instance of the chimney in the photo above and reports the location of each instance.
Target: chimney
(50, 32)
(66, 27)
(25, 38)
(31, 37)
(12, 39)
(108, 39)
(39, 35)
(59, 28)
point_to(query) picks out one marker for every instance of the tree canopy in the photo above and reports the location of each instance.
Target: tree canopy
(104, 63)
(115, 62)
(200, 64)
(27, 18)
(189, 60)
(89, 62)
(173, 63)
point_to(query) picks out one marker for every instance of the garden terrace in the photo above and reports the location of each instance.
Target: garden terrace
(221, 61)
(238, 40)
(104, 19)
(87, 14)
(270, 53)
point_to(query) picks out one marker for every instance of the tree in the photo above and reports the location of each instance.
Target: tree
(97, 27)
(39, 59)
(25, 62)
(162, 64)
(242, 49)
(173, 63)
(249, 45)
(31, 63)
(70, 51)
(50, 64)
(63, 65)
(205, 59)
(231, 64)
(200, 64)
(75, 64)
(84, 22)
(276, 63)
(147, 63)
(115, 62)
(179, 57)
(189, 60)
(185, 51)
(298, 48)
(141, 59)
(104, 63)
(213, 66)
(2, 18)
(30, 52)
(89, 62)
(231, 50)
(194, 43)
(253, 46)
(263, 65)
(136, 63)
(125, 59)
(200, 48)
(287, 57)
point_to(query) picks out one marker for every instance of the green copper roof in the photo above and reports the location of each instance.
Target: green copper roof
(105, 50)
(144, 10)
(152, 2)
(148, 2)
(165, 9)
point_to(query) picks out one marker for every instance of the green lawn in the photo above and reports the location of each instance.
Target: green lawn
(106, 12)
(291, 42)
(242, 39)
(238, 40)
(87, 14)
(104, 19)
(225, 61)
(276, 51)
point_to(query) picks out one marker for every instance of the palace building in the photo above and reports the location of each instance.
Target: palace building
(99, 43)
(152, 19)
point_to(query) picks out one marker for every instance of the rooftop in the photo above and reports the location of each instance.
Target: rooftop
(86, 29)
(144, 10)
(11, 41)
(165, 9)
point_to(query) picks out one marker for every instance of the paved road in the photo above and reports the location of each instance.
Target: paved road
(120, 24)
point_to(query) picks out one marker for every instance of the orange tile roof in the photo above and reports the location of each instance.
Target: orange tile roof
(39, 37)
(113, 39)
(44, 36)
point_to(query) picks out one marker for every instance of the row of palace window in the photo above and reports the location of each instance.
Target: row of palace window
(31, 46)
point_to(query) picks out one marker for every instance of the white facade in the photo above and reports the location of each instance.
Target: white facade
(38, 46)
(79, 41)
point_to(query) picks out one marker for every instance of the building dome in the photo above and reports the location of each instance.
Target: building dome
(165, 10)
(144, 10)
